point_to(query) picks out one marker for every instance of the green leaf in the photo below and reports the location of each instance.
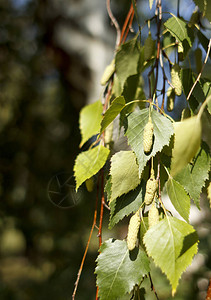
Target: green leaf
(124, 173)
(112, 112)
(151, 3)
(88, 163)
(194, 175)
(118, 270)
(126, 204)
(179, 29)
(163, 130)
(179, 198)
(203, 40)
(172, 244)
(186, 143)
(90, 119)
(133, 88)
(126, 61)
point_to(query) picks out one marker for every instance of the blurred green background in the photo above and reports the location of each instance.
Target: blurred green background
(51, 53)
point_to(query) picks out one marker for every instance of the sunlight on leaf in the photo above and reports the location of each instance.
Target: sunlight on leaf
(90, 119)
(88, 163)
(186, 143)
(124, 173)
(172, 244)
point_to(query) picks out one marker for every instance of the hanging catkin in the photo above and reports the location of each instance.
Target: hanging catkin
(175, 79)
(148, 136)
(133, 229)
(153, 215)
(151, 188)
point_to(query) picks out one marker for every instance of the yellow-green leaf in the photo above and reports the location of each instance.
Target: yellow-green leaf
(88, 163)
(90, 119)
(124, 173)
(112, 112)
(187, 141)
(172, 244)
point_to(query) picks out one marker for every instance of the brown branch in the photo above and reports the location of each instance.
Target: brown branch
(126, 23)
(114, 21)
(158, 13)
(87, 247)
(152, 287)
(129, 26)
(199, 76)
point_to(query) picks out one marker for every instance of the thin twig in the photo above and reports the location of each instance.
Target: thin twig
(152, 287)
(199, 76)
(85, 252)
(126, 22)
(114, 21)
(129, 26)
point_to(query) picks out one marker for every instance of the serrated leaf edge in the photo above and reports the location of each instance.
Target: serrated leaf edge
(191, 259)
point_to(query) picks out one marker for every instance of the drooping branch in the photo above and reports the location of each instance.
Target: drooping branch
(114, 21)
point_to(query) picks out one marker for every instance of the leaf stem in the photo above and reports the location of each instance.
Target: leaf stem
(199, 75)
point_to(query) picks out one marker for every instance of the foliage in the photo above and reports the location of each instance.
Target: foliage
(176, 156)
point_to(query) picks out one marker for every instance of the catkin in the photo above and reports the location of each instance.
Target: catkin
(170, 99)
(133, 229)
(153, 215)
(151, 188)
(175, 79)
(108, 73)
(149, 47)
(148, 136)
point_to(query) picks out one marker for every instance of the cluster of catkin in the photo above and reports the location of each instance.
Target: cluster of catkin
(151, 188)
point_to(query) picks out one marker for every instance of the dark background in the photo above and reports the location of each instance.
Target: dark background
(45, 79)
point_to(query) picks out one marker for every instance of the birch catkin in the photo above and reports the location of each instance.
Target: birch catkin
(149, 47)
(175, 79)
(170, 99)
(133, 229)
(148, 136)
(153, 216)
(151, 188)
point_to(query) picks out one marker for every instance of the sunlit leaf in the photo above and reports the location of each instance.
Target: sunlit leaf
(163, 130)
(90, 119)
(194, 175)
(178, 28)
(115, 108)
(172, 244)
(179, 198)
(124, 173)
(118, 270)
(88, 163)
(186, 143)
